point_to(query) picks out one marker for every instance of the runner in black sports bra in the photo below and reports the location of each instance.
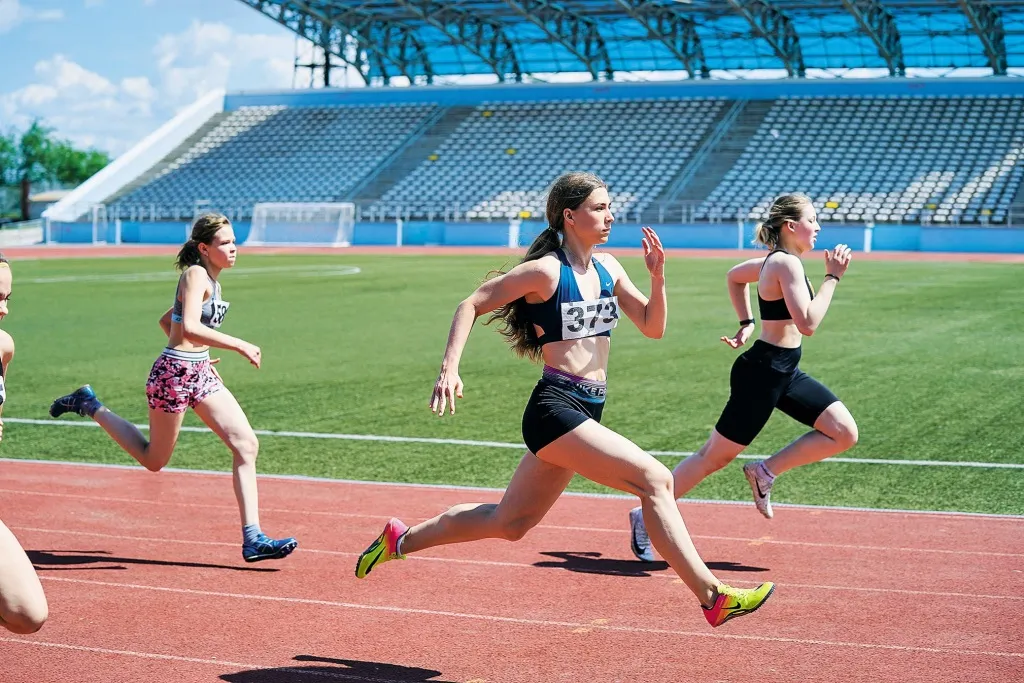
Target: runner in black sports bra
(767, 376)
(776, 309)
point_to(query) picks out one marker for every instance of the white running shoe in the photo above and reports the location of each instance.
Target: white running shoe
(761, 488)
(639, 542)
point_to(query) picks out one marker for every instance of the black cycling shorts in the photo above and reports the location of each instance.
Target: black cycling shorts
(764, 378)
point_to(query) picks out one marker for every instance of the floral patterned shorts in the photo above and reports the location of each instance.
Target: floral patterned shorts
(180, 380)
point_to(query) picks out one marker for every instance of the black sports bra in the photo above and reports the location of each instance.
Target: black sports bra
(776, 309)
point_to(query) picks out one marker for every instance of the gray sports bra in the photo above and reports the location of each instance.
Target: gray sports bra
(213, 311)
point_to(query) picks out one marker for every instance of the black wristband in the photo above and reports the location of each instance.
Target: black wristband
(830, 275)
(748, 321)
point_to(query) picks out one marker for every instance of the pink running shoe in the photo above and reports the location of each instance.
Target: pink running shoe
(383, 549)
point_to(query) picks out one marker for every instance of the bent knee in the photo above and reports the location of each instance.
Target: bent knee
(657, 480)
(246, 449)
(156, 461)
(25, 622)
(846, 434)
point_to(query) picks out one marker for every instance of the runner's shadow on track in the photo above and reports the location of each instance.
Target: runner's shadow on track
(595, 563)
(347, 669)
(70, 560)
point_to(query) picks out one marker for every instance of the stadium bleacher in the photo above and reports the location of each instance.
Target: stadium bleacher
(883, 159)
(277, 153)
(499, 160)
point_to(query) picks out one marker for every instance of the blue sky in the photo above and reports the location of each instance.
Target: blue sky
(104, 73)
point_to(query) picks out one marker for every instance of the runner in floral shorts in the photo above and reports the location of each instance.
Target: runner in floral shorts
(183, 377)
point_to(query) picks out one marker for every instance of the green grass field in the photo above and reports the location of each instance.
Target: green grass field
(928, 356)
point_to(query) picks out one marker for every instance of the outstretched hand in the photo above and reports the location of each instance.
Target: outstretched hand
(741, 338)
(446, 389)
(838, 260)
(654, 253)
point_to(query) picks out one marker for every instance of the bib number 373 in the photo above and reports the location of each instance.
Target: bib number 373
(588, 318)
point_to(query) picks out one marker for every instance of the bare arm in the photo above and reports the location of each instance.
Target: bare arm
(649, 315)
(524, 279)
(6, 354)
(165, 322)
(737, 281)
(193, 289)
(807, 313)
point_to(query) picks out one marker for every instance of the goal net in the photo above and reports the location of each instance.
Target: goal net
(295, 223)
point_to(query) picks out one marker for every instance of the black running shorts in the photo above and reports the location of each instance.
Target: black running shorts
(559, 404)
(764, 378)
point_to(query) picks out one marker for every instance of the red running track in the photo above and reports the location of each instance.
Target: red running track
(145, 582)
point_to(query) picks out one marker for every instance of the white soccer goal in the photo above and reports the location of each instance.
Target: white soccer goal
(298, 224)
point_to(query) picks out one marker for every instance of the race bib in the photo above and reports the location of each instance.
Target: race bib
(588, 318)
(220, 310)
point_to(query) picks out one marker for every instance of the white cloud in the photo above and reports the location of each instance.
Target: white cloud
(67, 75)
(207, 56)
(12, 13)
(90, 109)
(36, 94)
(139, 87)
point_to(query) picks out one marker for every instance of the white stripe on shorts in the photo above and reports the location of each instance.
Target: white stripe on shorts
(194, 356)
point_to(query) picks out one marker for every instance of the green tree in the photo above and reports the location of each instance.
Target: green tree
(36, 156)
(70, 166)
(8, 158)
(35, 153)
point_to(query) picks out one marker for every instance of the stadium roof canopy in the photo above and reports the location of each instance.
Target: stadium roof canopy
(428, 41)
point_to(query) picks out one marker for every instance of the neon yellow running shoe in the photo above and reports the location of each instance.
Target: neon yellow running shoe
(735, 602)
(383, 549)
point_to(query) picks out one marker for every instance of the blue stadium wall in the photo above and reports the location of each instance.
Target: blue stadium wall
(713, 236)
(673, 235)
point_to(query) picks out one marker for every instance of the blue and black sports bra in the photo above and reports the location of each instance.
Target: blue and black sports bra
(776, 309)
(567, 315)
(214, 309)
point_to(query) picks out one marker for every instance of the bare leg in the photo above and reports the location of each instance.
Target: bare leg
(154, 453)
(716, 453)
(534, 488)
(221, 413)
(835, 431)
(605, 457)
(23, 607)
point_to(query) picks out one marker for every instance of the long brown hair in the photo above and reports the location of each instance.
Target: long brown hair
(569, 191)
(203, 231)
(788, 207)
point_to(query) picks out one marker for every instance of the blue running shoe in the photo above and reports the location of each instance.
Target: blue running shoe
(265, 548)
(82, 401)
(639, 541)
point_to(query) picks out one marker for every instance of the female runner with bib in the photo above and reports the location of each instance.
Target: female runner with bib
(183, 377)
(23, 607)
(560, 305)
